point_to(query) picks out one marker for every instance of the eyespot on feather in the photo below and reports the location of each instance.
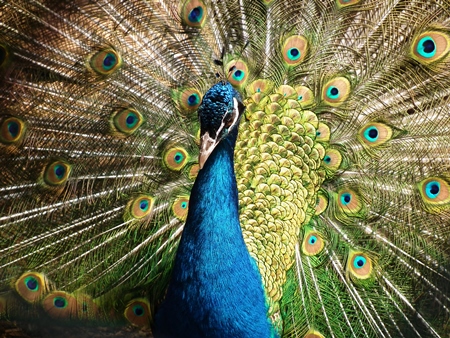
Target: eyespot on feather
(59, 304)
(32, 286)
(57, 173)
(332, 159)
(312, 243)
(176, 158)
(294, 50)
(374, 134)
(12, 130)
(430, 46)
(323, 133)
(105, 62)
(139, 207)
(349, 201)
(126, 121)
(359, 265)
(435, 191)
(193, 13)
(336, 91)
(180, 207)
(237, 73)
(137, 312)
(189, 99)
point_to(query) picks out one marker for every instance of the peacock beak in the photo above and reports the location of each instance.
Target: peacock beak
(207, 145)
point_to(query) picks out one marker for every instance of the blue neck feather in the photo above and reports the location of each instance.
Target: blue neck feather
(216, 289)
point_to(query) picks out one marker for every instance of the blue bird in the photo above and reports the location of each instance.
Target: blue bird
(216, 288)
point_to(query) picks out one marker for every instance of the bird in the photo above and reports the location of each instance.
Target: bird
(209, 295)
(341, 167)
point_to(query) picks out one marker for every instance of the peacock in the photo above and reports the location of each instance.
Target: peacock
(225, 168)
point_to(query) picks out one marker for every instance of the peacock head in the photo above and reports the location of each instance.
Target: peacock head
(219, 113)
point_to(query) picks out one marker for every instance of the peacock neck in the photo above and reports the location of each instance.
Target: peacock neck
(216, 288)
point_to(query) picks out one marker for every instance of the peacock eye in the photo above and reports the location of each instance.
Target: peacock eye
(109, 61)
(144, 206)
(188, 99)
(371, 134)
(126, 121)
(294, 50)
(176, 158)
(106, 61)
(435, 192)
(138, 310)
(57, 173)
(430, 47)
(193, 13)
(180, 207)
(332, 159)
(336, 91)
(333, 93)
(31, 286)
(375, 133)
(426, 47)
(60, 302)
(31, 283)
(294, 54)
(346, 198)
(193, 100)
(312, 243)
(359, 262)
(196, 14)
(349, 202)
(432, 189)
(238, 73)
(359, 265)
(12, 130)
(139, 207)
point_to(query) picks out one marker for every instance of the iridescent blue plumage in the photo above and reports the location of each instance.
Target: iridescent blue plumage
(216, 288)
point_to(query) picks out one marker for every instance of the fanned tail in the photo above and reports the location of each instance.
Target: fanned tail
(342, 160)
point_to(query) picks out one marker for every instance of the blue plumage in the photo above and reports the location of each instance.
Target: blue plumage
(216, 288)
